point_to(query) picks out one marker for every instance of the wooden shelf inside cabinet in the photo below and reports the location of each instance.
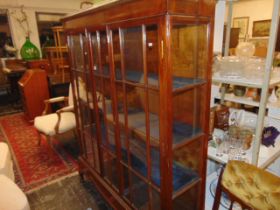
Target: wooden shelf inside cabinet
(244, 82)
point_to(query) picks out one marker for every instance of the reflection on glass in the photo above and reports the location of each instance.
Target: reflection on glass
(140, 194)
(189, 54)
(104, 53)
(110, 169)
(188, 113)
(189, 197)
(152, 54)
(137, 128)
(133, 54)
(186, 164)
(95, 52)
(77, 51)
(86, 53)
(117, 54)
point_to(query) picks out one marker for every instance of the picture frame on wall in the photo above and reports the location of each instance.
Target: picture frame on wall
(261, 28)
(242, 23)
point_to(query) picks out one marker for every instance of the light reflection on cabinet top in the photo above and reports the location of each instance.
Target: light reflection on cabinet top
(244, 82)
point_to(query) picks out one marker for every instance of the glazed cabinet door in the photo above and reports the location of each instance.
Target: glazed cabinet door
(136, 67)
(189, 73)
(85, 99)
(126, 83)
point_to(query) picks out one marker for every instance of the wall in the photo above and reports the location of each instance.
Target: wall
(31, 7)
(254, 9)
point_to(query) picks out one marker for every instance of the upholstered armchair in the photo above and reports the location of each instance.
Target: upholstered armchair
(249, 186)
(63, 120)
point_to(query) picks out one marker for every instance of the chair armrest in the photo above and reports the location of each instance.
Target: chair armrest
(53, 100)
(58, 112)
(65, 109)
(56, 99)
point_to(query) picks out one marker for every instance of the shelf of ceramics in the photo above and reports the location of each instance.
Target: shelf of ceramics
(244, 82)
(267, 155)
(247, 100)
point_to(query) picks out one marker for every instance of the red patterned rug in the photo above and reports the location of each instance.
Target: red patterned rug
(34, 165)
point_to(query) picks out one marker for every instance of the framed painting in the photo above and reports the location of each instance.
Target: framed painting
(261, 28)
(242, 23)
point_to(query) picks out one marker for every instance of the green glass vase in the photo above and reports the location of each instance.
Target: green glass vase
(29, 51)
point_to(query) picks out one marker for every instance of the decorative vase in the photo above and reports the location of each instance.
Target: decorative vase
(29, 51)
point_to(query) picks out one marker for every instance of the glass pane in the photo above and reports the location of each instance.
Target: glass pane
(95, 53)
(139, 192)
(89, 147)
(189, 54)
(104, 53)
(82, 96)
(117, 54)
(153, 97)
(186, 164)
(100, 104)
(77, 51)
(133, 54)
(86, 53)
(155, 200)
(121, 115)
(137, 128)
(190, 198)
(110, 169)
(152, 51)
(188, 114)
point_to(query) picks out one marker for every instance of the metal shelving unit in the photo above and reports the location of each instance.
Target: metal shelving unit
(264, 86)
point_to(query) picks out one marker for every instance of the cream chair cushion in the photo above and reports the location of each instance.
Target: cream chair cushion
(11, 196)
(46, 123)
(6, 164)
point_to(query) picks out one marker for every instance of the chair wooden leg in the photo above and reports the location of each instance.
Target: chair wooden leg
(231, 205)
(39, 138)
(49, 139)
(75, 133)
(218, 193)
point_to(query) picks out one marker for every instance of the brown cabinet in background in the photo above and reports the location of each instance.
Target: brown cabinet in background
(43, 64)
(34, 90)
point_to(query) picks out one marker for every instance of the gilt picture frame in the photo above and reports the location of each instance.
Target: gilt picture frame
(261, 28)
(242, 23)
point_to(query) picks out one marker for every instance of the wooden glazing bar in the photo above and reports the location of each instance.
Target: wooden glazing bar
(92, 90)
(115, 109)
(188, 141)
(143, 178)
(146, 108)
(102, 89)
(95, 101)
(166, 115)
(186, 188)
(79, 105)
(203, 160)
(101, 75)
(121, 38)
(104, 188)
(84, 49)
(188, 87)
(108, 150)
(72, 78)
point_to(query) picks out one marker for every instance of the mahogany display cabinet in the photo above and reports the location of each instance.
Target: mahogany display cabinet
(141, 72)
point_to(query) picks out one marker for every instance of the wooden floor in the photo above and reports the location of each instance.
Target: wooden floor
(67, 194)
